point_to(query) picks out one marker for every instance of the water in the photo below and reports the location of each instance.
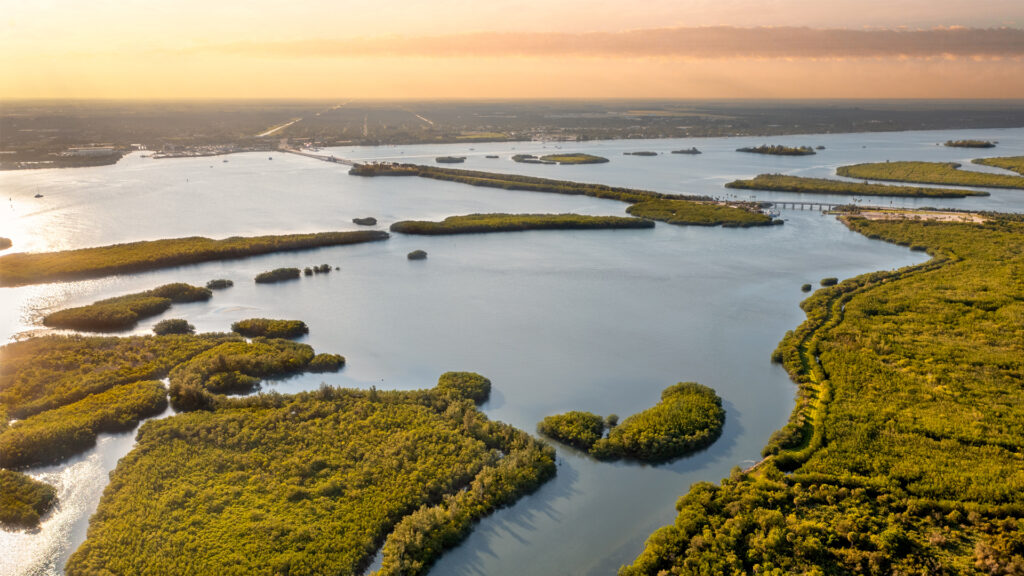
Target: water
(574, 320)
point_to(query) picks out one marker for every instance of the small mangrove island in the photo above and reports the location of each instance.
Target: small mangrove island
(367, 221)
(690, 151)
(803, 185)
(559, 159)
(969, 144)
(641, 153)
(22, 269)
(779, 150)
(268, 328)
(691, 213)
(219, 284)
(5, 243)
(416, 255)
(173, 326)
(688, 417)
(480, 223)
(124, 312)
(450, 159)
(278, 275)
(927, 173)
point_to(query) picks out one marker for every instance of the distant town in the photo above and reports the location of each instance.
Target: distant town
(70, 134)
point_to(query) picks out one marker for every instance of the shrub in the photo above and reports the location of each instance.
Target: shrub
(173, 326)
(368, 221)
(124, 312)
(830, 281)
(806, 288)
(417, 255)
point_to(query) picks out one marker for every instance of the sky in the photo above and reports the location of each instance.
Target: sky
(412, 49)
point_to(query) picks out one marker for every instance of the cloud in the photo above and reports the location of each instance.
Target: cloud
(698, 43)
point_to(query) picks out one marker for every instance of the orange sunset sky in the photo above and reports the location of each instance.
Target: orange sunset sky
(512, 49)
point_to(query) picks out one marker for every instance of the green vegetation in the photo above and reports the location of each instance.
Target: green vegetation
(783, 183)
(173, 326)
(21, 269)
(806, 288)
(23, 500)
(56, 434)
(969, 144)
(277, 275)
(1014, 163)
(234, 368)
(465, 386)
(689, 417)
(450, 159)
(326, 363)
(124, 312)
(927, 173)
(480, 223)
(46, 373)
(573, 158)
(779, 150)
(687, 212)
(267, 328)
(830, 281)
(368, 221)
(641, 153)
(577, 429)
(219, 284)
(905, 444)
(514, 182)
(5, 243)
(308, 484)
(417, 255)
(691, 151)
(529, 159)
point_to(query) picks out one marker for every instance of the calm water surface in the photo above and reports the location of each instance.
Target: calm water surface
(576, 320)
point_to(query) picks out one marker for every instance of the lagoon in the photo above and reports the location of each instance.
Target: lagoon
(559, 320)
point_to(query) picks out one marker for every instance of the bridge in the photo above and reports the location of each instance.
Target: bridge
(324, 157)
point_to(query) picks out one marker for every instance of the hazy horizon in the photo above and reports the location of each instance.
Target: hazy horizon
(513, 49)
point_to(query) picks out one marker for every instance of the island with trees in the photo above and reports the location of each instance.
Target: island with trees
(805, 185)
(124, 312)
(969, 144)
(902, 454)
(268, 328)
(688, 417)
(779, 150)
(278, 275)
(567, 158)
(481, 223)
(927, 173)
(691, 213)
(692, 151)
(36, 268)
(412, 470)
(5, 243)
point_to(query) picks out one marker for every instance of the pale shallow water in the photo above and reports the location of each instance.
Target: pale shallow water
(575, 320)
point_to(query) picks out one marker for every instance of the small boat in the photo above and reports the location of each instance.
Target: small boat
(38, 195)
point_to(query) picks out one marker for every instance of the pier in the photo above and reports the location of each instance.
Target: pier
(324, 157)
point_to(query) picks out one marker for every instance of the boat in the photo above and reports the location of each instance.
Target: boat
(38, 195)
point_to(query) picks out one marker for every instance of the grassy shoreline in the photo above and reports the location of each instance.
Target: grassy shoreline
(929, 173)
(903, 447)
(37, 268)
(803, 185)
(484, 223)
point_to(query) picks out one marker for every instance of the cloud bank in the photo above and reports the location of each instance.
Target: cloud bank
(698, 43)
